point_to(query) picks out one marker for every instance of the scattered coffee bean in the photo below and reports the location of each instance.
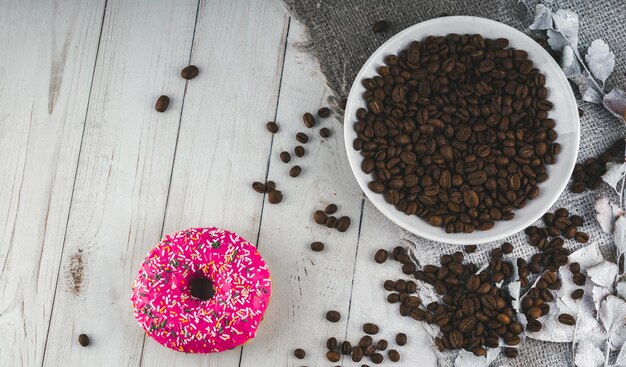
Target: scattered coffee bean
(323, 112)
(295, 171)
(377, 358)
(189, 72)
(534, 326)
(275, 197)
(579, 279)
(272, 127)
(285, 157)
(581, 237)
(574, 267)
(507, 248)
(365, 341)
(333, 356)
(389, 285)
(370, 328)
(510, 352)
(309, 120)
(299, 151)
(346, 348)
(357, 354)
(258, 187)
(333, 316)
(331, 344)
(299, 353)
(324, 132)
(380, 26)
(401, 339)
(270, 186)
(578, 294)
(83, 340)
(588, 175)
(319, 217)
(343, 224)
(382, 344)
(162, 104)
(393, 355)
(302, 138)
(317, 246)
(381, 256)
(567, 319)
(470, 249)
(331, 222)
(331, 209)
(577, 220)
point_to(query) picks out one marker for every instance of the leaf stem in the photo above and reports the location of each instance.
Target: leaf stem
(580, 60)
(607, 353)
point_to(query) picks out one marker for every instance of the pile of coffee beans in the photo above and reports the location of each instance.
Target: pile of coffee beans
(456, 131)
(366, 347)
(325, 218)
(588, 175)
(474, 313)
(273, 196)
(163, 102)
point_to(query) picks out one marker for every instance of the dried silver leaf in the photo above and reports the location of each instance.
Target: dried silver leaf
(615, 172)
(612, 313)
(615, 102)
(621, 289)
(468, 359)
(599, 294)
(569, 63)
(603, 274)
(606, 213)
(588, 89)
(620, 361)
(566, 24)
(619, 235)
(543, 18)
(600, 59)
(588, 355)
(557, 40)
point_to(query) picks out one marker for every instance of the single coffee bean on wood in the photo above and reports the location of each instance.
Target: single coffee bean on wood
(381, 256)
(331, 343)
(333, 356)
(331, 222)
(333, 316)
(302, 138)
(346, 348)
(370, 328)
(285, 157)
(317, 246)
(272, 127)
(295, 171)
(308, 119)
(162, 104)
(343, 224)
(323, 112)
(365, 341)
(324, 132)
(357, 354)
(330, 209)
(275, 197)
(319, 217)
(299, 353)
(83, 340)
(258, 187)
(299, 151)
(380, 26)
(377, 358)
(393, 355)
(189, 72)
(401, 339)
(270, 186)
(382, 344)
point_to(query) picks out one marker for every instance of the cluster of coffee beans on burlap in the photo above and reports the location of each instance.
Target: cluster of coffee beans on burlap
(276, 196)
(456, 131)
(474, 312)
(588, 175)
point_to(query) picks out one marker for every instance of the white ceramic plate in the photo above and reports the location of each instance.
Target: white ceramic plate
(565, 113)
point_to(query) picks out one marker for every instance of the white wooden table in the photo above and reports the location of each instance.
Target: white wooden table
(92, 177)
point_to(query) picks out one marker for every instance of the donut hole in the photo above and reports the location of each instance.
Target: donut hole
(201, 287)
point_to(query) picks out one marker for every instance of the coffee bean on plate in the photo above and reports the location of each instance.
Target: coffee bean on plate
(370, 328)
(189, 72)
(275, 197)
(333, 316)
(295, 171)
(162, 104)
(381, 256)
(272, 127)
(302, 138)
(299, 151)
(401, 339)
(324, 132)
(299, 353)
(317, 246)
(258, 187)
(285, 157)
(83, 340)
(380, 26)
(308, 119)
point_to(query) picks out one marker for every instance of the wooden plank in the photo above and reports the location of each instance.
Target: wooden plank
(122, 180)
(368, 297)
(306, 284)
(46, 67)
(223, 145)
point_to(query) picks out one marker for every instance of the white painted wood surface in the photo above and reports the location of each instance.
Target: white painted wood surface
(93, 177)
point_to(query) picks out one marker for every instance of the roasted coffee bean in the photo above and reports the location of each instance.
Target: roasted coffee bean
(324, 132)
(389, 285)
(333, 316)
(331, 343)
(275, 197)
(534, 326)
(302, 138)
(317, 246)
(393, 355)
(393, 298)
(381, 256)
(382, 344)
(299, 151)
(346, 348)
(380, 26)
(285, 157)
(507, 248)
(189, 72)
(566, 319)
(258, 187)
(330, 209)
(470, 249)
(408, 268)
(333, 356)
(295, 171)
(83, 340)
(574, 267)
(377, 358)
(162, 104)
(308, 119)
(370, 328)
(581, 237)
(369, 350)
(401, 339)
(510, 352)
(319, 217)
(343, 224)
(357, 354)
(579, 279)
(323, 112)
(331, 222)
(577, 220)
(299, 353)
(270, 186)
(365, 341)
(272, 127)
(578, 294)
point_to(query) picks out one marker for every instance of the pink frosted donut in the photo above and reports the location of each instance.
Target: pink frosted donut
(202, 290)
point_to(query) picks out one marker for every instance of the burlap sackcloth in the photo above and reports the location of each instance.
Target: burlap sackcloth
(341, 38)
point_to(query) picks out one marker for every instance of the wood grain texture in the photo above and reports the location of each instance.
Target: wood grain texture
(306, 284)
(369, 298)
(46, 67)
(122, 180)
(223, 145)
